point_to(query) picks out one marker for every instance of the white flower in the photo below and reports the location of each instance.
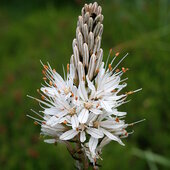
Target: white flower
(83, 106)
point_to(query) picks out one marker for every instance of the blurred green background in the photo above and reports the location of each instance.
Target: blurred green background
(39, 29)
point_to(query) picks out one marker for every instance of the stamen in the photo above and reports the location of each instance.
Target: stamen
(120, 62)
(43, 97)
(44, 78)
(51, 83)
(110, 51)
(68, 67)
(110, 67)
(113, 91)
(37, 113)
(97, 71)
(124, 69)
(64, 73)
(43, 72)
(117, 54)
(45, 67)
(47, 104)
(124, 80)
(35, 118)
(65, 122)
(72, 111)
(88, 105)
(35, 123)
(117, 119)
(137, 90)
(66, 90)
(96, 124)
(132, 124)
(72, 95)
(117, 70)
(131, 92)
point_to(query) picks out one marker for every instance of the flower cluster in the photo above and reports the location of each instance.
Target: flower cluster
(82, 106)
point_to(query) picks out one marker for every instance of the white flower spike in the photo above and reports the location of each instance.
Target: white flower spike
(83, 107)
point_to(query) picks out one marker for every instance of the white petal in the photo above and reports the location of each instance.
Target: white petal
(91, 68)
(112, 137)
(81, 71)
(82, 136)
(91, 118)
(107, 124)
(105, 105)
(93, 144)
(50, 141)
(49, 91)
(114, 97)
(83, 116)
(51, 111)
(90, 84)
(104, 142)
(96, 111)
(52, 120)
(110, 124)
(74, 121)
(82, 91)
(85, 55)
(119, 113)
(58, 127)
(69, 134)
(62, 114)
(96, 133)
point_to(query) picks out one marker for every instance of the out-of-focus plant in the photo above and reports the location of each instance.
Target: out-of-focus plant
(151, 158)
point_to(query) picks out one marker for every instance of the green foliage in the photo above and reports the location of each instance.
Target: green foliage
(28, 34)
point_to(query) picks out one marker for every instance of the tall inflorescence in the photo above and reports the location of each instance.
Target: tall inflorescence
(87, 53)
(81, 110)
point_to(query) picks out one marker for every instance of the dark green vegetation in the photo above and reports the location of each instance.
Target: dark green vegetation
(30, 32)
